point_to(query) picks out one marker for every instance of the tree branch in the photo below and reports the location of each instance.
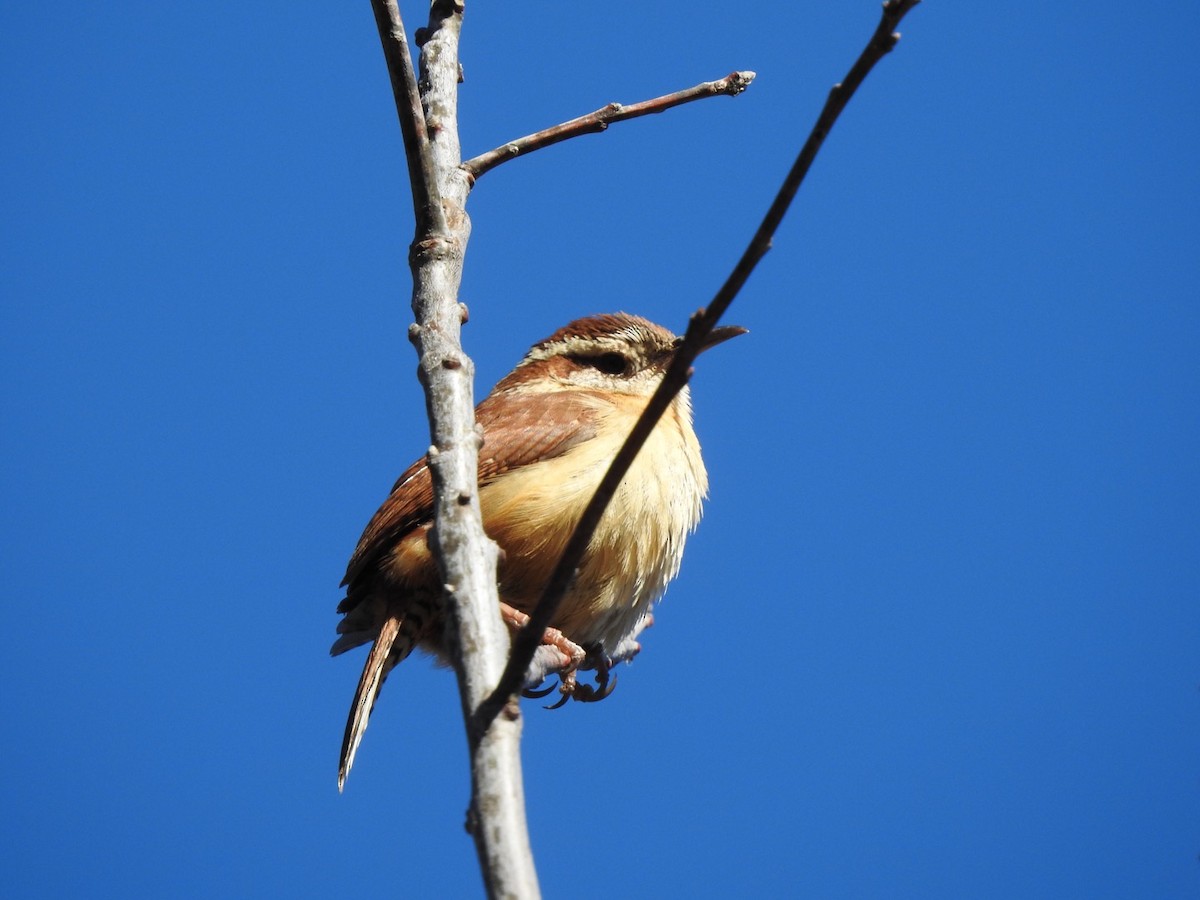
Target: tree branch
(422, 177)
(466, 556)
(699, 327)
(732, 85)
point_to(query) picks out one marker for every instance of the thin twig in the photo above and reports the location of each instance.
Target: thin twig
(732, 85)
(422, 176)
(699, 327)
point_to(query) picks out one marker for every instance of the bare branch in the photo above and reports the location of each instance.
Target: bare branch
(466, 556)
(699, 327)
(427, 205)
(732, 85)
(880, 44)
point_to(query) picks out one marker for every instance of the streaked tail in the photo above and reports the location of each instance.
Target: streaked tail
(390, 649)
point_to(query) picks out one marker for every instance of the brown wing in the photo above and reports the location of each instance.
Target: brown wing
(409, 504)
(526, 427)
(520, 429)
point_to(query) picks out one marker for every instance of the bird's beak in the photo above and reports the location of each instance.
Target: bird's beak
(721, 334)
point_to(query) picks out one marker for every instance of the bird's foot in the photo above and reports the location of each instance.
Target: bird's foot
(570, 688)
(558, 654)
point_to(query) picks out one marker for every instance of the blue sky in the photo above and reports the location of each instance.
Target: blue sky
(938, 634)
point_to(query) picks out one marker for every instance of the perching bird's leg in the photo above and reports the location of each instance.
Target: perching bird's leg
(547, 660)
(602, 663)
(562, 656)
(558, 653)
(571, 689)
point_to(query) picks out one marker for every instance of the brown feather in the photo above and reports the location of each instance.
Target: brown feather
(374, 672)
(546, 427)
(409, 505)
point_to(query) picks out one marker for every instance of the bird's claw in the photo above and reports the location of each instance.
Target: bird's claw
(536, 693)
(585, 693)
(571, 689)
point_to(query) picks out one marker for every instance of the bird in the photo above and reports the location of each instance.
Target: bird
(550, 429)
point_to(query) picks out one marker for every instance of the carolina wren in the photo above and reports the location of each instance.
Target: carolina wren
(550, 429)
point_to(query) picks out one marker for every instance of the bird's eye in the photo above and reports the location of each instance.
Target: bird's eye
(610, 363)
